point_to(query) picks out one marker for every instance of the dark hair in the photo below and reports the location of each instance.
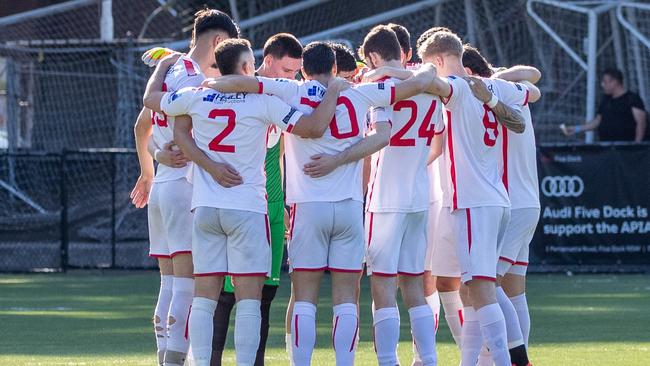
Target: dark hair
(403, 36)
(473, 60)
(212, 19)
(428, 33)
(318, 58)
(283, 44)
(345, 60)
(441, 43)
(228, 54)
(614, 74)
(382, 40)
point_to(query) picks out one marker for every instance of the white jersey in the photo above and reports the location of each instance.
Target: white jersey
(346, 129)
(473, 152)
(438, 174)
(231, 129)
(184, 73)
(398, 179)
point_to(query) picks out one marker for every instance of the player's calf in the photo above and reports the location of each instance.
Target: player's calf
(345, 324)
(306, 285)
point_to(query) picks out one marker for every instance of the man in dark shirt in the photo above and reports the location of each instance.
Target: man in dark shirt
(621, 115)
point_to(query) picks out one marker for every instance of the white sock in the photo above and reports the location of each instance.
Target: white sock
(417, 361)
(471, 338)
(386, 323)
(303, 329)
(521, 306)
(484, 358)
(513, 329)
(248, 320)
(423, 329)
(160, 314)
(288, 347)
(433, 301)
(179, 310)
(201, 329)
(493, 329)
(453, 308)
(344, 333)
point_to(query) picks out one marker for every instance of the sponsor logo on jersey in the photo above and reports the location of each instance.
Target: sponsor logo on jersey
(562, 186)
(287, 118)
(381, 86)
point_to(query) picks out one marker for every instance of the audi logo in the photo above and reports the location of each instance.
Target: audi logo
(562, 186)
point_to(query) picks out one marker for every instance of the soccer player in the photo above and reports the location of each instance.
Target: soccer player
(282, 59)
(519, 163)
(230, 231)
(346, 65)
(169, 200)
(324, 189)
(480, 205)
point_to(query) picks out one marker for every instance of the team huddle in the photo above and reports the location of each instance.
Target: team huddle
(422, 174)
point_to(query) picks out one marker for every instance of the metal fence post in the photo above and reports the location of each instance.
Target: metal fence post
(113, 219)
(64, 211)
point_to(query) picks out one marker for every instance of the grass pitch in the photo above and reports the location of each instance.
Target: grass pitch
(93, 318)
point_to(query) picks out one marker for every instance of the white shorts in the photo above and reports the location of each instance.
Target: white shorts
(230, 242)
(513, 256)
(170, 218)
(441, 258)
(397, 243)
(479, 230)
(326, 235)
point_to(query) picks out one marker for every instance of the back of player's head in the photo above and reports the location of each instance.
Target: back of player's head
(383, 41)
(428, 33)
(229, 55)
(473, 60)
(206, 20)
(615, 74)
(403, 37)
(345, 60)
(441, 44)
(318, 58)
(283, 44)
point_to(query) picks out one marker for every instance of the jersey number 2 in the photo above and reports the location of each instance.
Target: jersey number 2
(426, 130)
(215, 144)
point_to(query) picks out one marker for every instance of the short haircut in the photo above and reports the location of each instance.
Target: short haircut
(382, 40)
(345, 60)
(441, 43)
(473, 60)
(228, 54)
(614, 74)
(211, 19)
(318, 58)
(283, 44)
(403, 36)
(428, 33)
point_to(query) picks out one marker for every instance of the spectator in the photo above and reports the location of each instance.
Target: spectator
(621, 115)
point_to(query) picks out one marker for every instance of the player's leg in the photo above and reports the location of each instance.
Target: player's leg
(345, 261)
(410, 269)
(209, 245)
(159, 249)
(449, 293)
(384, 232)
(268, 294)
(221, 320)
(175, 200)
(311, 229)
(289, 315)
(431, 296)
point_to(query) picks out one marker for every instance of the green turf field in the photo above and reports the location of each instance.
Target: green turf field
(89, 318)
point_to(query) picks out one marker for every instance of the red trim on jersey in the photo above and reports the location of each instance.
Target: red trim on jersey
(336, 324)
(309, 102)
(260, 88)
(451, 92)
(289, 128)
(527, 96)
(309, 269)
(460, 316)
(292, 218)
(441, 131)
(382, 274)
(210, 274)
(392, 95)
(295, 322)
(435, 318)
(505, 259)
(410, 274)
(374, 179)
(189, 67)
(524, 264)
(382, 79)
(342, 270)
(370, 228)
(252, 274)
(504, 178)
(187, 323)
(160, 256)
(469, 229)
(268, 230)
(354, 338)
(485, 278)
(452, 165)
(180, 252)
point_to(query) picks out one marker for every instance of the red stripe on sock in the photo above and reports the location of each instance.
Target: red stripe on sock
(460, 316)
(336, 324)
(187, 324)
(354, 338)
(295, 321)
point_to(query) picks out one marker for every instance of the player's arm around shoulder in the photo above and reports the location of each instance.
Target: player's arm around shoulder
(506, 115)
(425, 80)
(315, 124)
(234, 84)
(153, 93)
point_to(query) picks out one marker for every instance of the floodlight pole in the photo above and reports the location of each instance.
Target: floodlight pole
(592, 55)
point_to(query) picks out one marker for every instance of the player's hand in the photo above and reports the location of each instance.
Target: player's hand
(208, 83)
(152, 56)
(338, 84)
(373, 75)
(172, 156)
(361, 72)
(321, 165)
(169, 60)
(140, 193)
(480, 91)
(225, 175)
(568, 130)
